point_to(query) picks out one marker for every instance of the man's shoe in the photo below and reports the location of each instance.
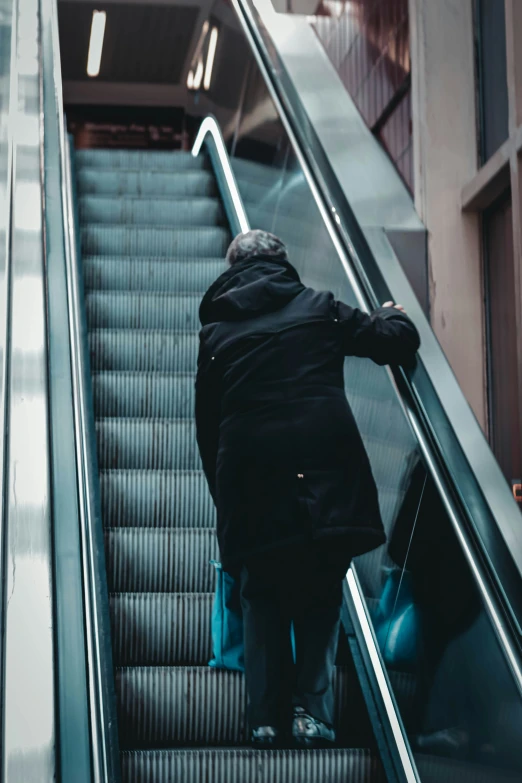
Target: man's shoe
(265, 737)
(309, 732)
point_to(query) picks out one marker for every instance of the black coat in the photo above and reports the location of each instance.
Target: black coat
(280, 447)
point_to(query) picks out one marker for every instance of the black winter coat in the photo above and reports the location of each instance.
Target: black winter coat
(280, 447)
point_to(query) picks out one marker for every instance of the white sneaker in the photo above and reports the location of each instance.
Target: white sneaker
(308, 732)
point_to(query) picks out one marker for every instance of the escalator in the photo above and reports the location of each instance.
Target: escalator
(142, 235)
(142, 315)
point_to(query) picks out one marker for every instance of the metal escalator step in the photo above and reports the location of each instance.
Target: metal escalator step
(169, 706)
(140, 211)
(151, 160)
(150, 274)
(156, 560)
(147, 444)
(145, 350)
(161, 629)
(146, 183)
(132, 310)
(144, 395)
(156, 498)
(166, 629)
(244, 765)
(210, 242)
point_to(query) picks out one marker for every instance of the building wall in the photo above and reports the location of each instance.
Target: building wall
(467, 136)
(445, 158)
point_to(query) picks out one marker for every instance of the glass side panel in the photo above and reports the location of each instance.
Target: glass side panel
(453, 688)
(458, 699)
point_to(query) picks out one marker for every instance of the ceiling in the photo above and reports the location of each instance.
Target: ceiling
(147, 52)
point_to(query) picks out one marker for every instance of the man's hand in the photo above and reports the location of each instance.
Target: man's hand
(397, 306)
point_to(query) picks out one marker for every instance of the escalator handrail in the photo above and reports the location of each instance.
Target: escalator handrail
(405, 766)
(234, 206)
(92, 684)
(105, 750)
(5, 309)
(501, 607)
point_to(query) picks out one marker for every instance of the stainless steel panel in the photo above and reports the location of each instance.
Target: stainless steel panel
(29, 726)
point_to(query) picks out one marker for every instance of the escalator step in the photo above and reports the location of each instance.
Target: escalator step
(161, 629)
(146, 183)
(132, 310)
(150, 274)
(147, 395)
(166, 706)
(138, 211)
(209, 242)
(155, 560)
(243, 765)
(166, 629)
(156, 444)
(143, 350)
(151, 160)
(156, 498)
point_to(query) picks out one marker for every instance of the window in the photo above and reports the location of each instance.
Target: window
(491, 38)
(504, 403)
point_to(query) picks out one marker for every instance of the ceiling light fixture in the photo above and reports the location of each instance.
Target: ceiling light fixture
(199, 76)
(96, 43)
(210, 58)
(190, 80)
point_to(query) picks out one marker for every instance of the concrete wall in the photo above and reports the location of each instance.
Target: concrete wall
(445, 154)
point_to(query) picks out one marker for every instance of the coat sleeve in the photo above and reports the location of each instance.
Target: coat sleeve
(208, 415)
(387, 335)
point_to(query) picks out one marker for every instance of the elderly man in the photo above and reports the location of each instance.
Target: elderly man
(288, 471)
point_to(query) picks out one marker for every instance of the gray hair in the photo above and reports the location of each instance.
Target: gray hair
(256, 243)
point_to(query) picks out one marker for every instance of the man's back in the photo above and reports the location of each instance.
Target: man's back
(278, 440)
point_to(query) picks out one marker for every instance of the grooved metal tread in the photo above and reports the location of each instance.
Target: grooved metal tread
(245, 765)
(167, 706)
(149, 444)
(165, 629)
(151, 274)
(144, 395)
(145, 350)
(134, 310)
(156, 499)
(139, 159)
(145, 183)
(202, 211)
(100, 239)
(160, 560)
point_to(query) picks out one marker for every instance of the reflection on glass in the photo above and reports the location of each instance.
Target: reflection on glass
(456, 695)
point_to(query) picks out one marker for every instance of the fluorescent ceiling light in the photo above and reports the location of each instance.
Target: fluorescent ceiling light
(201, 41)
(190, 80)
(199, 76)
(96, 43)
(210, 58)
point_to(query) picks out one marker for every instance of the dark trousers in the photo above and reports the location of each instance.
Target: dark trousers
(299, 587)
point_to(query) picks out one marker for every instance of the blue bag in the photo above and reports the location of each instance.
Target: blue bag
(227, 623)
(398, 622)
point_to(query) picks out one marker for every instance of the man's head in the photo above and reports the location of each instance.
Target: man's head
(256, 243)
